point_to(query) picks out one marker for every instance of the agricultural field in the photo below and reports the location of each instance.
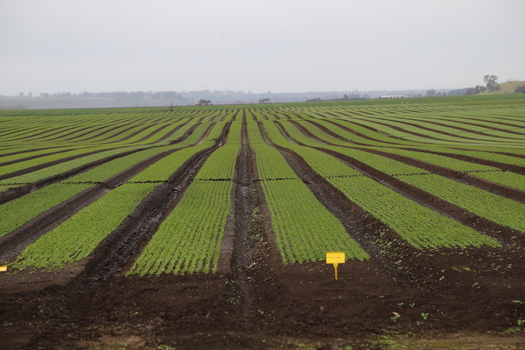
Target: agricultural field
(208, 227)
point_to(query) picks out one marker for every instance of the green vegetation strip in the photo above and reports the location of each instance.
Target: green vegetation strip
(305, 231)
(189, 240)
(76, 238)
(15, 213)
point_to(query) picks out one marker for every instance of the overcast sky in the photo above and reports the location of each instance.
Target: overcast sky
(279, 46)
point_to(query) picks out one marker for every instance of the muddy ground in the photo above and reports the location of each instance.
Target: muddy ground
(296, 306)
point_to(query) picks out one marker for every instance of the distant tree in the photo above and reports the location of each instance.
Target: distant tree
(520, 89)
(470, 91)
(430, 93)
(204, 102)
(444, 93)
(479, 89)
(21, 94)
(30, 94)
(345, 97)
(490, 80)
(439, 94)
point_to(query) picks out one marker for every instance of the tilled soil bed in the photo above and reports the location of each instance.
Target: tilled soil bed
(294, 305)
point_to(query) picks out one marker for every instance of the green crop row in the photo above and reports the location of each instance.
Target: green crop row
(77, 237)
(220, 165)
(189, 240)
(303, 232)
(17, 212)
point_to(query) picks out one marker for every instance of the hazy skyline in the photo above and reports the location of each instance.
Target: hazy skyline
(279, 46)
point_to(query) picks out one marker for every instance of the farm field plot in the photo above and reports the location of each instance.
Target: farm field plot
(207, 226)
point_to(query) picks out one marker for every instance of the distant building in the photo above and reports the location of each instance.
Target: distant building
(265, 100)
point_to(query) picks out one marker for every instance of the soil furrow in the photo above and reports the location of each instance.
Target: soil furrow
(244, 206)
(186, 134)
(27, 151)
(66, 135)
(76, 138)
(397, 128)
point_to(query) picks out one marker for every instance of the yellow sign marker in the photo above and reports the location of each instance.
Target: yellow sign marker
(3, 268)
(335, 258)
